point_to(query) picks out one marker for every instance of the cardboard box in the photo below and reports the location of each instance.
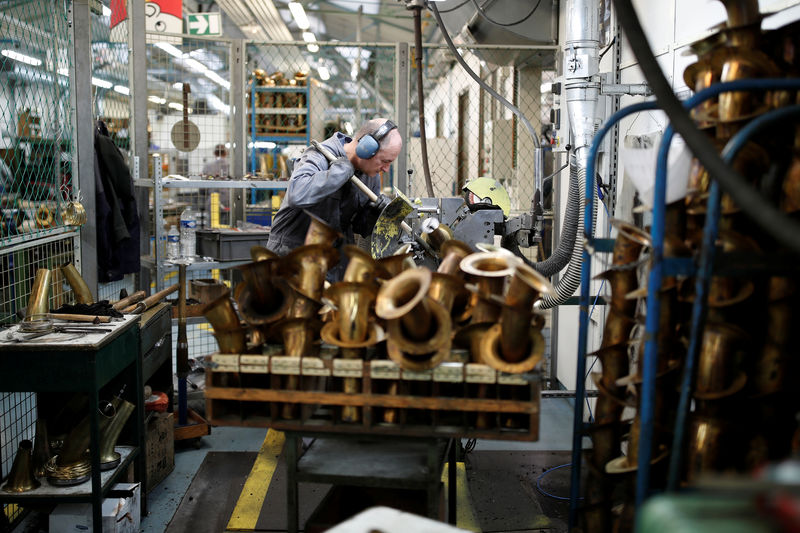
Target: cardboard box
(159, 448)
(121, 514)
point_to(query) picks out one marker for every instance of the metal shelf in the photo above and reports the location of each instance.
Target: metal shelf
(168, 265)
(172, 183)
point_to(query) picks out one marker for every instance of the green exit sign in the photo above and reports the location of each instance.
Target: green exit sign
(203, 24)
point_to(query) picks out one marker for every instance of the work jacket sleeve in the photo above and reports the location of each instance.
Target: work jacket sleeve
(365, 216)
(314, 180)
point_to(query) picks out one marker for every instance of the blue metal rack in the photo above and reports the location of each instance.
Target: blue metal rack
(660, 267)
(278, 139)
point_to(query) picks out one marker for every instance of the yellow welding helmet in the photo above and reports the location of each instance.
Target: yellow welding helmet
(489, 191)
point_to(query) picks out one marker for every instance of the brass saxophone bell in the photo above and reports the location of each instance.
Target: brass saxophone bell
(319, 231)
(452, 252)
(470, 337)
(79, 288)
(299, 336)
(721, 357)
(489, 270)
(20, 478)
(403, 297)
(420, 353)
(525, 287)
(623, 283)
(110, 430)
(261, 253)
(257, 311)
(228, 331)
(306, 267)
(435, 233)
(41, 449)
(445, 288)
(361, 267)
(492, 354)
(741, 12)
(40, 291)
(392, 265)
(629, 242)
(353, 301)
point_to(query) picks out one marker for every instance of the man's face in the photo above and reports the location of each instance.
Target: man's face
(381, 161)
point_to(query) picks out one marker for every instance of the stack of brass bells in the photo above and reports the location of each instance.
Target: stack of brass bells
(267, 123)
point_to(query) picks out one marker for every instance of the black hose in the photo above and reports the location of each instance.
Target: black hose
(782, 228)
(561, 255)
(420, 100)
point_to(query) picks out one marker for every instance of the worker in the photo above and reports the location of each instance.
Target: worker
(219, 166)
(325, 190)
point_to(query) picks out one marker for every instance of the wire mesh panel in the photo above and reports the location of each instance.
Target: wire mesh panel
(35, 132)
(468, 132)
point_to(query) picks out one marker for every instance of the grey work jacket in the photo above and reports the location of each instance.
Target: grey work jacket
(331, 197)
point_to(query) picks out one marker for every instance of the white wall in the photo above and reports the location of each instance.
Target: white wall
(670, 25)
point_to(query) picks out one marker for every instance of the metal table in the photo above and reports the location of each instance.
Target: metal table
(371, 461)
(63, 363)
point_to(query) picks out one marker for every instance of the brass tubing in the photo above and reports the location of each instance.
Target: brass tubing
(720, 357)
(40, 291)
(258, 276)
(452, 251)
(622, 282)
(110, 433)
(223, 318)
(444, 288)
(403, 297)
(307, 266)
(614, 361)
(514, 327)
(617, 328)
(136, 297)
(741, 12)
(527, 286)
(354, 301)
(41, 449)
(361, 267)
(629, 242)
(79, 288)
(299, 336)
(319, 231)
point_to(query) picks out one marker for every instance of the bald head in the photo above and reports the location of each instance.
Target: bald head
(389, 148)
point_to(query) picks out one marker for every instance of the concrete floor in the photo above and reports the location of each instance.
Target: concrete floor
(555, 435)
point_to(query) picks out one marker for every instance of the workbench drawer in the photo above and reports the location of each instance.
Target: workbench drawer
(159, 354)
(156, 322)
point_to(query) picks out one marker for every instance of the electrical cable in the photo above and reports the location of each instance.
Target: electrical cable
(454, 8)
(544, 492)
(781, 227)
(505, 24)
(600, 57)
(421, 100)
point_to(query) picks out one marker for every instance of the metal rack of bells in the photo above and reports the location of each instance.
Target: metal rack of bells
(721, 364)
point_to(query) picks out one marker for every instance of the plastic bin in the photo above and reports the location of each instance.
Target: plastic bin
(229, 245)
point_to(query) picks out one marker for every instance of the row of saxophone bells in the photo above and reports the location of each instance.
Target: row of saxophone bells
(72, 464)
(489, 293)
(741, 50)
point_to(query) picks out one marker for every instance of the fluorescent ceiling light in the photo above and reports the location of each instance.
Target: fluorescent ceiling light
(324, 74)
(102, 83)
(63, 71)
(175, 105)
(299, 15)
(195, 65)
(157, 99)
(215, 103)
(262, 144)
(121, 89)
(22, 58)
(310, 38)
(106, 11)
(177, 85)
(170, 49)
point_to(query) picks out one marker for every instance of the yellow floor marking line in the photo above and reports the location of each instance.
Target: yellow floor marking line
(248, 507)
(465, 515)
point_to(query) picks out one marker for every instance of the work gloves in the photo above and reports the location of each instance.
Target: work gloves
(340, 170)
(376, 208)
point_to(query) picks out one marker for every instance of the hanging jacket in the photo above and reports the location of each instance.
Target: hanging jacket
(116, 215)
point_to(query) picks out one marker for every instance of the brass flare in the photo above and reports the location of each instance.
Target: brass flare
(403, 297)
(614, 361)
(489, 270)
(306, 267)
(301, 306)
(41, 449)
(392, 265)
(229, 333)
(264, 297)
(319, 231)
(110, 430)
(79, 288)
(20, 478)
(470, 337)
(435, 233)
(622, 282)
(361, 267)
(353, 301)
(492, 355)
(741, 12)
(299, 336)
(40, 291)
(452, 252)
(260, 253)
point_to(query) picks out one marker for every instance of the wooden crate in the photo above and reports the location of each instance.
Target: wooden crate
(452, 400)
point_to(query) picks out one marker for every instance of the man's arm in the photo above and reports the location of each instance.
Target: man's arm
(313, 180)
(367, 214)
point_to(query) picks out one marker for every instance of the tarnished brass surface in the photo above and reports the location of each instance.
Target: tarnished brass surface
(79, 288)
(319, 231)
(489, 269)
(302, 306)
(770, 370)
(227, 330)
(40, 291)
(629, 242)
(741, 12)
(305, 268)
(259, 276)
(41, 448)
(438, 331)
(299, 336)
(206, 289)
(452, 252)
(614, 362)
(260, 253)
(470, 337)
(720, 357)
(490, 351)
(417, 362)
(526, 286)
(623, 283)
(708, 445)
(354, 301)
(617, 328)
(20, 478)
(361, 267)
(514, 326)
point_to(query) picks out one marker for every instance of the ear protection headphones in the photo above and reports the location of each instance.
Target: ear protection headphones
(369, 144)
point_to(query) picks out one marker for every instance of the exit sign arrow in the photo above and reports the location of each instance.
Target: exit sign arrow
(203, 24)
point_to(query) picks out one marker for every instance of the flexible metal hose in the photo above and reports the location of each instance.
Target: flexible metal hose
(572, 278)
(561, 255)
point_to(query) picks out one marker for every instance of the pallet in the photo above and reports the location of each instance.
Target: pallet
(452, 400)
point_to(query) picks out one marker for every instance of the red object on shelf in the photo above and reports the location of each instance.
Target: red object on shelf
(157, 401)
